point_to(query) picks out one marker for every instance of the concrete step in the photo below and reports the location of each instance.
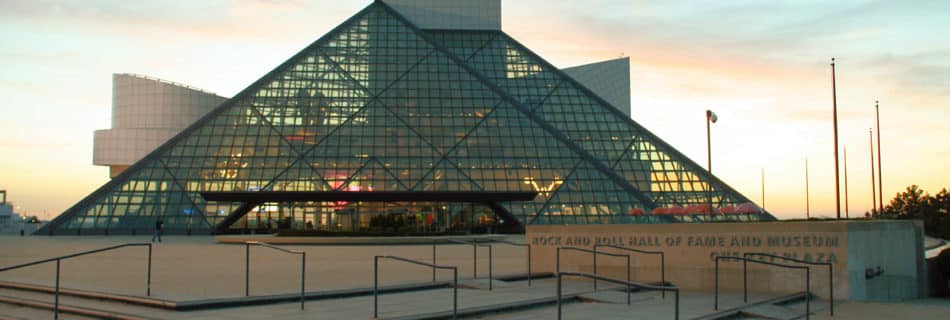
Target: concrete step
(491, 309)
(502, 281)
(737, 312)
(64, 308)
(218, 302)
(144, 301)
(817, 306)
(772, 312)
(618, 296)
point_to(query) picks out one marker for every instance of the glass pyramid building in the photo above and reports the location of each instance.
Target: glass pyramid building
(380, 105)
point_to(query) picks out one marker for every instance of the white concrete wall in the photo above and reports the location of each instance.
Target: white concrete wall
(146, 112)
(608, 79)
(451, 14)
(139, 102)
(126, 146)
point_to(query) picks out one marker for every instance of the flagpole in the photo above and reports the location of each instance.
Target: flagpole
(807, 195)
(880, 178)
(847, 215)
(873, 192)
(834, 99)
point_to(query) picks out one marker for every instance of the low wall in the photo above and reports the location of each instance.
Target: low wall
(858, 250)
(14, 229)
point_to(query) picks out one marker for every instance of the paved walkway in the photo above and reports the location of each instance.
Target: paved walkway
(187, 268)
(925, 309)
(645, 305)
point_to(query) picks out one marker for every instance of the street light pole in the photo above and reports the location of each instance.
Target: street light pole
(710, 118)
(834, 99)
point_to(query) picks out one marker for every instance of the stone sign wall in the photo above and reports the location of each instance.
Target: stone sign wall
(690, 251)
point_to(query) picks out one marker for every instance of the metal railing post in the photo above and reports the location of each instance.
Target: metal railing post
(474, 260)
(455, 293)
(677, 302)
(628, 280)
(831, 284)
(455, 276)
(831, 288)
(660, 253)
(745, 260)
(375, 287)
(716, 299)
(433, 260)
(529, 265)
(595, 267)
(559, 293)
(663, 275)
(247, 269)
(490, 277)
(148, 273)
(629, 284)
(745, 281)
(807, 293)
(59, 259)
(56, 298)
(594, 252)
(529, 254)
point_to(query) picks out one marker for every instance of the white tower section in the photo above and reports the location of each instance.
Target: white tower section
(146, 112)
(451, 14)
(608, 79)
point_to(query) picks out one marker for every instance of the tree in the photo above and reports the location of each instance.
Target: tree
(941, 201)
(914, 203)
(939, 217)
(910, 204)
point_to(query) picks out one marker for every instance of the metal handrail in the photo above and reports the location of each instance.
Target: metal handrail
(831, 279)
(490, 263)
(675, 289)
(660, 253)
(529, 254)
(744, 276)
(455, 285)
(475, 245)
(595, 253)
(148, 276)
(247, 266)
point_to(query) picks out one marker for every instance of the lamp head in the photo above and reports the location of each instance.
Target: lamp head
(711, 116)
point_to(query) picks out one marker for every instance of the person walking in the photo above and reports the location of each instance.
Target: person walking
(159, 226)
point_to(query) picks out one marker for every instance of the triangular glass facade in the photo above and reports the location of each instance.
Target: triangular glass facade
(380, 105)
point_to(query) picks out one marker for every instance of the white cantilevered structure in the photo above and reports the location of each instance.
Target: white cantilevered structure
(146, 112)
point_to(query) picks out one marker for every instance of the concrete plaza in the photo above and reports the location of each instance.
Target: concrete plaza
(195, 268)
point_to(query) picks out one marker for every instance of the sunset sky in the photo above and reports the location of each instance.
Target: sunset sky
(762, 66)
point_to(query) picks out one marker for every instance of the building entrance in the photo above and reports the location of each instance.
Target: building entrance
(370, 212)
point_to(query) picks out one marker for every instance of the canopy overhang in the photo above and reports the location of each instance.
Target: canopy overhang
(367, 196)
